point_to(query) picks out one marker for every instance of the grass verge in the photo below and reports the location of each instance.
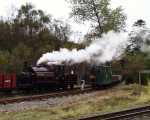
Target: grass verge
(113, 100)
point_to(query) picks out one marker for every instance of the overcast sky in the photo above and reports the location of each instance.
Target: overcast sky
(134, 9)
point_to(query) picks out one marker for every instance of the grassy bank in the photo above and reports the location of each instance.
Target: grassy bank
(108, 101)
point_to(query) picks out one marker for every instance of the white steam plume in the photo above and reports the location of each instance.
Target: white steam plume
(99, 51)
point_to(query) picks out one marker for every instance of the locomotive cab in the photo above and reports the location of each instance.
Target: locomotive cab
(24, 79)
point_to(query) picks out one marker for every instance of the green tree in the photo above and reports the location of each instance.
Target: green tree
(20, 54)
(4, 61)
(61, 30)
(133, 64)
(6, 38)
(136, 55)
(99, 12)
(29, 22)
(139, 38)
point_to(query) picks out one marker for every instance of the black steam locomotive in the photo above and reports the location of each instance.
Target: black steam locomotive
(54, 76)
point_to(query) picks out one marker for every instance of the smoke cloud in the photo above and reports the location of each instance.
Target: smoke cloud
(109, 47)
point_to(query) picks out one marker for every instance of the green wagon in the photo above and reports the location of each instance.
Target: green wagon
(102, 75)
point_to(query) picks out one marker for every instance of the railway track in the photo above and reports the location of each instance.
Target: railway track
(129, 114)
(44, 96)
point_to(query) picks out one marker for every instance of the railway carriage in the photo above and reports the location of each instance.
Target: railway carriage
(7, 81)
(101, 75)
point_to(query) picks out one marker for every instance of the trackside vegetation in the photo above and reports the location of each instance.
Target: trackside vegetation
(116, 99)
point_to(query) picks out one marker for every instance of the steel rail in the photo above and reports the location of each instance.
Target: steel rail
(44, 96)
(119, 115)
